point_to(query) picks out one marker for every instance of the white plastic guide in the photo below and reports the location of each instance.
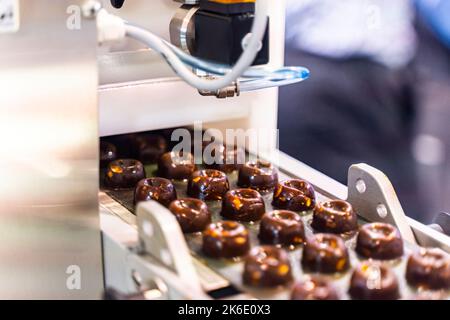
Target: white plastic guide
(9, 16)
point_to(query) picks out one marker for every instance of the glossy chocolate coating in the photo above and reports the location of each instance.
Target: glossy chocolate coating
(325, 253)
(226, 239)
(379, 241)
(208, 185)
(314, 289)
(294, 195)
(268, 267)
(429, 268)
(148, 148)
(124, 174)
(282, 227)
(243, 205)
(176, 166)
(229, 158)
(336, 216)
(158, 189)
(108, 153)
(259, 175)
(373, 281)
(192, 214)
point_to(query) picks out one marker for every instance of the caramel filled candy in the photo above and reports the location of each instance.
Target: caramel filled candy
(325, 253)
(294, 195)
(336, 216)
(243, 205)
(124, 174)
(108, 153)
(429, 268)
(176, 166)
(379, 241)
(158, 189)
(259, 175)
(282, 227)
(208, 185)
(148, 148)
(226, 239)
(314, 289)
(267, 266)
(373, 281)
(229, 158)
(192, 214)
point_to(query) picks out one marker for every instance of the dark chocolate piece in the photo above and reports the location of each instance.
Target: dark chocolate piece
(268, 267)
(429, 268)
(158, 189)
(314, 289)
(258, 175)
(336, 216)
(208, 185)
(108, 153)
(229, 158)
(124, 174)
(373, 281)
(294, 195)
(192, 214)
(380, 241)
(177, 166)
(282, 227)
(148, 148)
(325, 253)
(243, 205)
(226, 239)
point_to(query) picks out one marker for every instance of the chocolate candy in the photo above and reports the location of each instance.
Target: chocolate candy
(380, 241)
(334, 216)
(268, 267)
(208, 185)
(108, 153)
(314, 289)
(282, 227)
(373, 281)
(429, 268)
(158, 189)
(124, 174)
(226, 239)
(192, 214)
(325, 253)
(294, 195)
(148, 148)
(229, 158)
(243, 205)
(177, 166)
(258, 175)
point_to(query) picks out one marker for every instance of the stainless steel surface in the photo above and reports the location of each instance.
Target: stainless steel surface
(161, 237)
(120, 235)
(424, 235)
(373, 197)
(182, 28)
(49, 218)
(442, 219)
(125, 261)
(232, 271)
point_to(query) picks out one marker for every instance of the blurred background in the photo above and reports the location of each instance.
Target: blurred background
(379, 93)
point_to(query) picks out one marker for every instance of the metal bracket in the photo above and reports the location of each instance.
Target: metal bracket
(442, 223)
(161, 237)
(373, 197)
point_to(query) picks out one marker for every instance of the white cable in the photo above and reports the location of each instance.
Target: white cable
(244, 62)
(110, 27)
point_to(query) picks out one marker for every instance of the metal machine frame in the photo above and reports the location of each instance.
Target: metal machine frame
(141, 243)
(59, 94)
